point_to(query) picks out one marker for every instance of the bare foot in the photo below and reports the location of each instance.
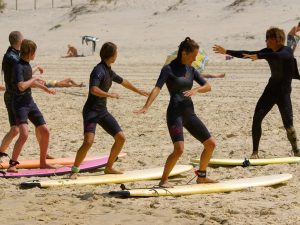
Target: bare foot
(49, 157)
(254, 156)
(81, 85)
(165, 184)
(204, 180)
(222, 75)
(73, 176)
(12, 169)
(47, 166)
(112, 171)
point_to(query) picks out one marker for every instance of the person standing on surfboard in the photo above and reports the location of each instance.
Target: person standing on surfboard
(11, 57)
(95, 111)
(24, 107)
(278, 90)
(179, 76)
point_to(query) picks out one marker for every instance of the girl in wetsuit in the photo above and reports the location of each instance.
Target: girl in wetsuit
(179, 76)
(95, 111)
(278, 90)
(24, 107)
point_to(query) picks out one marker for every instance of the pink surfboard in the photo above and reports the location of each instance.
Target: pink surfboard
(35, 163)
(86, 166)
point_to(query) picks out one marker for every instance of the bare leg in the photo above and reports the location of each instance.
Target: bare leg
(23, 129)
(12, 133)
(209, 146)
(68, 82)
(170, 163)
(115, 150)
(38, 137)
(82, 151)
(42, 134)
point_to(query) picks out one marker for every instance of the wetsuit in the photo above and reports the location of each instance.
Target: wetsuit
(180, 113)
(11, 57)
(278, 90)
(23, 105)
(94, 110)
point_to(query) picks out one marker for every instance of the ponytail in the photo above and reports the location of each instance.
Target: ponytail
(188, 45)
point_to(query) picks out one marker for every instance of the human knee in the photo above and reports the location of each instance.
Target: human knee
(44, 131)
(14, 131)
(210, 144)
(120, 137)
(178, 150)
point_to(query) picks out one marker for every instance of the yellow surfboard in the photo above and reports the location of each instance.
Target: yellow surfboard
(250, 162)
(128, 176)
(223, 186)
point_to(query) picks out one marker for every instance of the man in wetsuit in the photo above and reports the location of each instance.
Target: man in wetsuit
(11, 57)
(95, 111)
(291, 37)
(24, 107)
(278, 90)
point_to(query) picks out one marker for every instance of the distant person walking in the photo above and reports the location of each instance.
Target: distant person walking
(293, 38)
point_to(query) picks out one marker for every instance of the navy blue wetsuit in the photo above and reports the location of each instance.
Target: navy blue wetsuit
(11, 57)
(23, 105)
(278, 89)
(94, 110)
(180, 113)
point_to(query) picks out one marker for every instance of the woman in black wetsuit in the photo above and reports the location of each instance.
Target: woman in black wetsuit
(179, 76)
(95, 110)
(278, 90)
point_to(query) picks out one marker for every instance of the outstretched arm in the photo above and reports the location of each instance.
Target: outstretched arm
(154, 93)
(41, 85)
(23, 85)
(239, 54)
(131, 87)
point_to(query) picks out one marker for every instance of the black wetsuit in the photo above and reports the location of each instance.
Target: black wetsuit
(180, 112)
(94, 110)
(23, 105)
(11, 57)
(277, 91)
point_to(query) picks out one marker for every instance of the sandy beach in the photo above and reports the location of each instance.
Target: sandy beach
(146, 32)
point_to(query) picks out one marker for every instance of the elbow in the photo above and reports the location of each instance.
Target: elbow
(21, 88)
(93, 90)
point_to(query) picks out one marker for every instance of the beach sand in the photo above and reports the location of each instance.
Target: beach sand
(145, 32)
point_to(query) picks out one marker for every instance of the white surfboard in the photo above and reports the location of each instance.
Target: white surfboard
(250, 162)
(222, 186)
(128, 176)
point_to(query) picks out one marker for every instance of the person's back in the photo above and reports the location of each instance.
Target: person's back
(11, 56)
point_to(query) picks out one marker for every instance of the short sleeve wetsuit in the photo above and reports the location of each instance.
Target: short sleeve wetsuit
(180, 113)
(278, 89)
(94, 110)
(11, 57)
(23, 105)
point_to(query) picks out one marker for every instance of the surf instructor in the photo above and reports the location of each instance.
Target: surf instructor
(278, 90)
(95, 111)
(179, 76)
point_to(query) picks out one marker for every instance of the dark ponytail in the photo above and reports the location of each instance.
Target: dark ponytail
(188, 45)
